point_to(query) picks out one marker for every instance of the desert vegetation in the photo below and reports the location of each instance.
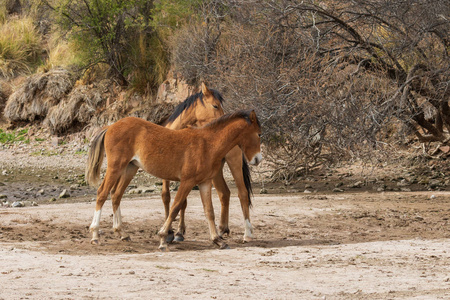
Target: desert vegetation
(330, 80)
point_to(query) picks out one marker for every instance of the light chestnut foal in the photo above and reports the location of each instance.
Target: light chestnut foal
(192, 156)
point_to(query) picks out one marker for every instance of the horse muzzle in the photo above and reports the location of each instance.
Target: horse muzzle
(256, 159)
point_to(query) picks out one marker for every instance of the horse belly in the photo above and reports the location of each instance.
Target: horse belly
(159, 168)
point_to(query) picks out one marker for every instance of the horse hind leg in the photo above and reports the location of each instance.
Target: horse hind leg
(108, 183)
(116, 197)
(224, 195)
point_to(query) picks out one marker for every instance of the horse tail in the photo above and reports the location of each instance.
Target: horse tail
(95, 158)
(247, 179)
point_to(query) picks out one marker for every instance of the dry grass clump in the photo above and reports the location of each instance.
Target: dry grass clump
(62, 53)
(51, 98)
(75, 110)
(37, 95)
(20, 47)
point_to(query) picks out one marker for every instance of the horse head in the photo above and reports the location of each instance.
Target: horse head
(211, 108)
(251, 143)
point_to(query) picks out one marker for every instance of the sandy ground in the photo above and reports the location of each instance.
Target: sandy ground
(320, 245)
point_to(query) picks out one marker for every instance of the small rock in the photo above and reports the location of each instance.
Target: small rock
(17, 204)
(40, 192)
(64, 194)
(52, 199)
(308, 186)
(403, 182)
(34, 203)
(434, 183)
(56, 141)
(263, 191)
(3, 196)
(146, 190)
(131, 272)
(4, 173)
(433, 197)
(307, 191)
(2, 184)
(339, 184)
(357, 184)
(336, 190)
(134, 191)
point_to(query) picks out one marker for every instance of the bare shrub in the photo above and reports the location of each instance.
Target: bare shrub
(327, 79)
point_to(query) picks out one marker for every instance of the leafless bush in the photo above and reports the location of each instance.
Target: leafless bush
(328, 79)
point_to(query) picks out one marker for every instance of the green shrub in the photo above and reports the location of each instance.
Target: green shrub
(9, 137)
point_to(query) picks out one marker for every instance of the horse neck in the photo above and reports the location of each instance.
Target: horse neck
(225, 137)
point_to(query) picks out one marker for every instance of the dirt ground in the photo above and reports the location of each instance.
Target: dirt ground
(318, 244)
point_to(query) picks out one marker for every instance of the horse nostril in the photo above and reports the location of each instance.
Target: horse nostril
(256, 159)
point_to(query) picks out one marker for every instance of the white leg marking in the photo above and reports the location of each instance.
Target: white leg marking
(117, 220)
(248, 235)
(256, 159)
(95, 225)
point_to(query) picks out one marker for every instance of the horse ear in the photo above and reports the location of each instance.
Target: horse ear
(205, 90)
(253, 117)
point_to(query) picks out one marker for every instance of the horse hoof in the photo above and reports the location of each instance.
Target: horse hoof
(126, 239)
(163, 248)
(179, 238)
(225, 232)
(224, 246)
(247, 239)
(95, 242)
(170, 237)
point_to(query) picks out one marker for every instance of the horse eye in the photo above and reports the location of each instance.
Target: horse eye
(215, 106)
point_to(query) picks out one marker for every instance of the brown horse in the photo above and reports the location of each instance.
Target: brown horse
(192, 156)
(198, 110)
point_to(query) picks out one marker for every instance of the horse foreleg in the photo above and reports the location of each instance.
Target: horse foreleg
(183, 192)
(179, 236)
(116, 197)
(205, 193)
(165, 195)
(224, 195)
(234, 161)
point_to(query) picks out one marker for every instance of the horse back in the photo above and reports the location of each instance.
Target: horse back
(160, 151)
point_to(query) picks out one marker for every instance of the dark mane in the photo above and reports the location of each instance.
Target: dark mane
(191, 101)
(240, 114)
